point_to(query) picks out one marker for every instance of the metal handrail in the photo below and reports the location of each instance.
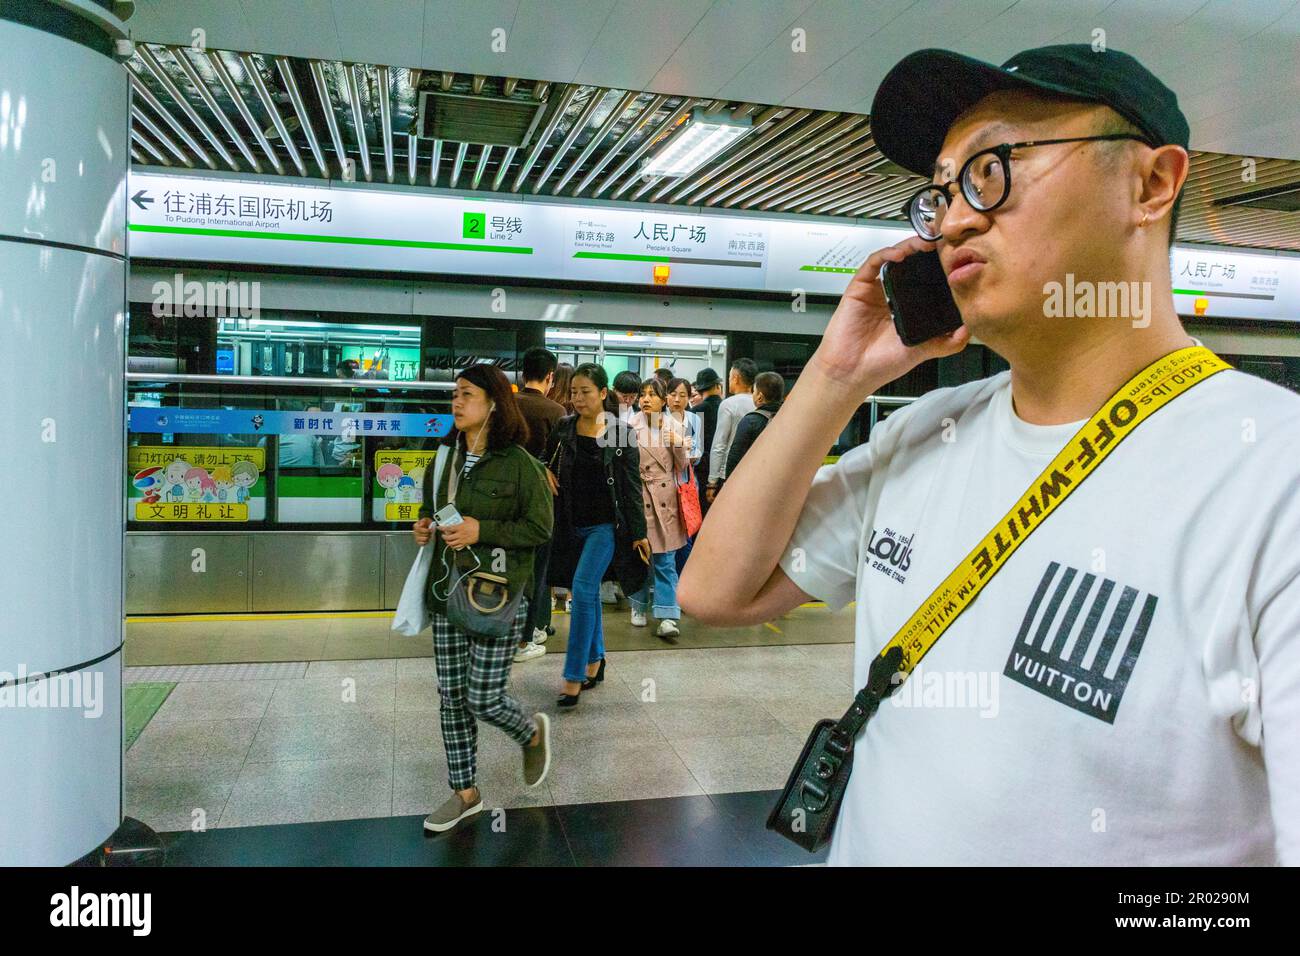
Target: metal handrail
(356, 384)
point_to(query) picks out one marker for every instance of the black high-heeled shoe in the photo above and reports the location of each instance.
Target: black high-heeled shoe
(591, 682)
(568, 700)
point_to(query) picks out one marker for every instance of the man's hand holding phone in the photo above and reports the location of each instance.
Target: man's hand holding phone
(861, 349)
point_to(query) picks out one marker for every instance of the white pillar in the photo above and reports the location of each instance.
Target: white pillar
(63, 162)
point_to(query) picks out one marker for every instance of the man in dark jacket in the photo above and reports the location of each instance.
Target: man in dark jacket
(541, 414)
(538, 373)
(769, 391)
(708, 384)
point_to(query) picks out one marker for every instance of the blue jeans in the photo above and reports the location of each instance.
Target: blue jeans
(586, 636)
(681, 554)
(665, 575)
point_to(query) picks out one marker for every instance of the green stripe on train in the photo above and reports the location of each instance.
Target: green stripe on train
(324, 486)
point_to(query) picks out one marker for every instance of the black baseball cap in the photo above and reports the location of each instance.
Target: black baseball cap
(920, 98)
(706, 379)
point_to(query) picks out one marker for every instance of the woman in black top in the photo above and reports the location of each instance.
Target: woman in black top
(594, 467)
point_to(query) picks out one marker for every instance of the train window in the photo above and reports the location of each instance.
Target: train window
(785, 358)
(204, 456)
(474, 345)
(307, 345)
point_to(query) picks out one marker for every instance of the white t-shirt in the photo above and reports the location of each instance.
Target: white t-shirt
(730, 412)
(1170, 736)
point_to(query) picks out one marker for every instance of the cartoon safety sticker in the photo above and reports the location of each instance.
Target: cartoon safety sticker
(399, 484)
(173, 486)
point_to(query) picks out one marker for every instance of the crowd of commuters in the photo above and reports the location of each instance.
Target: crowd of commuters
(568, 484)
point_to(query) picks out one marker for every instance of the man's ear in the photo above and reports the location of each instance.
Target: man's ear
(1164, 171)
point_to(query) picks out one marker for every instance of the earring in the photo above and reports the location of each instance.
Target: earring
(1144, 220)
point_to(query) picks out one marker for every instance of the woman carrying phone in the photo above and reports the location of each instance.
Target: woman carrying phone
(494, 508)
(662, 441)
(593, 466)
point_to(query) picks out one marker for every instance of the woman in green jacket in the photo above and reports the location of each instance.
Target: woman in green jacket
(504, 508)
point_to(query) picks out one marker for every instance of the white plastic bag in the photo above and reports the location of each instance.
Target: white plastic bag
(413, 615)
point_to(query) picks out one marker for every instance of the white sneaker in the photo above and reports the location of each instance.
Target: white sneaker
(540, 635)
(528, 652)
(638, 618)
(668, 628)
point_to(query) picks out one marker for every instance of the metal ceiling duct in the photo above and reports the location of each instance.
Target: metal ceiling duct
(208, 89)
(636, 121)
(614, 116)
(138, 89)
(357, 97)
(557, 113)
(182, 102)
(285, 68)
(254, 65)
(577, 127)
(226, 77)
(328, 106)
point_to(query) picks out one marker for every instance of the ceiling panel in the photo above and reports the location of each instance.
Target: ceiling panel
(1031, 23)
(658, 28)
(854, 78)
(306, 26)
(833, 30)
(457, 36)
(723, 42)
(221, 21)
(390, 32)
(560, 58)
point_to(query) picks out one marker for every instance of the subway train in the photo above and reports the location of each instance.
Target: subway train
(320, 528)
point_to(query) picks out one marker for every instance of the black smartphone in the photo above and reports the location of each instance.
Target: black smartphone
(918, 296)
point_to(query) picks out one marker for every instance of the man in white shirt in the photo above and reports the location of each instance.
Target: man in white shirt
(627, 389)
(1127, 689)
(738, 404)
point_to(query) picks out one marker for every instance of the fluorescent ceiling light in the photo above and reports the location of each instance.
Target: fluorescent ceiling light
(705, 136)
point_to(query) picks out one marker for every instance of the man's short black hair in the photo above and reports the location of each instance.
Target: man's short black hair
(770, 385)
(538, 363)
(1118, 124)
(746, 369)
(627, 383)
(664, 374)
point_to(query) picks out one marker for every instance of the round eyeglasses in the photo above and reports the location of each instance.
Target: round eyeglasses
(985, 181)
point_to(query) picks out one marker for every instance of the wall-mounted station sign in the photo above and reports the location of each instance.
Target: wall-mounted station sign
(191, 218)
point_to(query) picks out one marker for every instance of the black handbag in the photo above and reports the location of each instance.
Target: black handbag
(810, 802)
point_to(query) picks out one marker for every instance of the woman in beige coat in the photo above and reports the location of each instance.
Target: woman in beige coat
(664, 453)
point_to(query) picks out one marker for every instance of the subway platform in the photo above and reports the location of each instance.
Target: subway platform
(675, 759)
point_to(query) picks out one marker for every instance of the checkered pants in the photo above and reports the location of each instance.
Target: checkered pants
(472, 676)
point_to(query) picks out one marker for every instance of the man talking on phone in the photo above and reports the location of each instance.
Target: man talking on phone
(1143, 638)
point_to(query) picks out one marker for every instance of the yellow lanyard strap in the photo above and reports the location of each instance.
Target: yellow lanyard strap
(1145, 393)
